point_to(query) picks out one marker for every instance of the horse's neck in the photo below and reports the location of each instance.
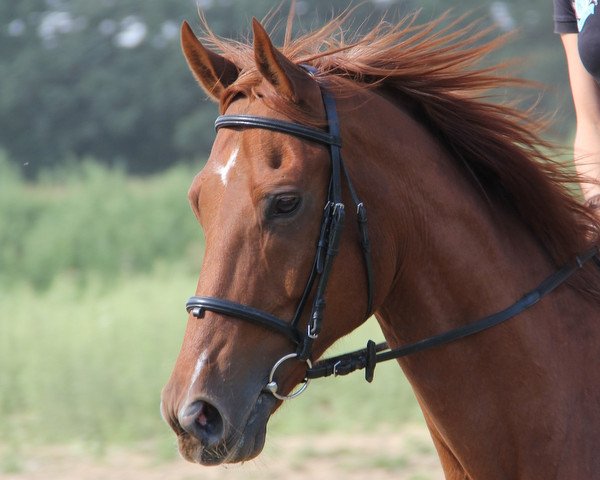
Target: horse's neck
(449, 258)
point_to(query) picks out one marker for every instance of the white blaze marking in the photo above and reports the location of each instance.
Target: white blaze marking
(197, 369)
(224, 170)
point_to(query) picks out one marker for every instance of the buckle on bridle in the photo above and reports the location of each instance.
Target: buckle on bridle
(314, 325)
(312, 331)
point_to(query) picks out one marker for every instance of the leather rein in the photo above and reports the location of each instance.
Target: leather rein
(327, 247)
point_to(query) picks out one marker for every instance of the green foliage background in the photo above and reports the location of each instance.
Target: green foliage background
(85, 221)
(95, 263)
(72, 87)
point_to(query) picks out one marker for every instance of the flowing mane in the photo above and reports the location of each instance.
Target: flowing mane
(432, 70)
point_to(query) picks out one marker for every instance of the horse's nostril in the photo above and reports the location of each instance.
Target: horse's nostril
(203, 421)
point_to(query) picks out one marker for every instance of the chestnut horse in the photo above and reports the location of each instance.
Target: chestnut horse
(466, 215)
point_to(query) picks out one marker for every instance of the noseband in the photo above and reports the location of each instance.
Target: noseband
(332, 224)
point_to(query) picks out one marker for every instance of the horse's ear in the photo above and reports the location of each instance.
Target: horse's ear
(287, 78)
(214, 72)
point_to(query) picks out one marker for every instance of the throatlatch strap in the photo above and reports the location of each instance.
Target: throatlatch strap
(365, 244)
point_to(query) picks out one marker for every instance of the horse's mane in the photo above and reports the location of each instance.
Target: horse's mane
(434, 67)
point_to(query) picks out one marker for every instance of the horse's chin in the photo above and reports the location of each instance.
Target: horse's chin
(246, 447)
(241, 445)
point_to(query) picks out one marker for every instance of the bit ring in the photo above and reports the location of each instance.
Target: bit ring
(272, 385)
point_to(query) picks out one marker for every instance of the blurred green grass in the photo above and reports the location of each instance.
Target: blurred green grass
(90, 222)
(95, 268)
(87, 366)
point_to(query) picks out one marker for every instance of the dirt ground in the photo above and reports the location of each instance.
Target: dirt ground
(405, 455)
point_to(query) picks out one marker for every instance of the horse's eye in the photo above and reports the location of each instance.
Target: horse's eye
(284, 205)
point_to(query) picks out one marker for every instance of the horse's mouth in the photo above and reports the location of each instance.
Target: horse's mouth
(240, 449)
(240, 445)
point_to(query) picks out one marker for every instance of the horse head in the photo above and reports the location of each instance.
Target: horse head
(260, 199)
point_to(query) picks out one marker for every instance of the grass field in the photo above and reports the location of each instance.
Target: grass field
(88, 365)
(95, 270)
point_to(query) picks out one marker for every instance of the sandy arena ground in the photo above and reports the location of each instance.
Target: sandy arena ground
(405, 455)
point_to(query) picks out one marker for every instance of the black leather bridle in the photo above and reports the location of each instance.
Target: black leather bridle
(332, 224)
(326, 249)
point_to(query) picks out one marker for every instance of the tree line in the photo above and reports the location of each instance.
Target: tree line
(105, 79)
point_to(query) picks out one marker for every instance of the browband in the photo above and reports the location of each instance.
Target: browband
(295, 129)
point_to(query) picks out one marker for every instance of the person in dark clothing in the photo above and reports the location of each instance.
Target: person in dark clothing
(578, 24)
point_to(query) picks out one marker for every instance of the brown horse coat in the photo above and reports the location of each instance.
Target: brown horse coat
(466, 214)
